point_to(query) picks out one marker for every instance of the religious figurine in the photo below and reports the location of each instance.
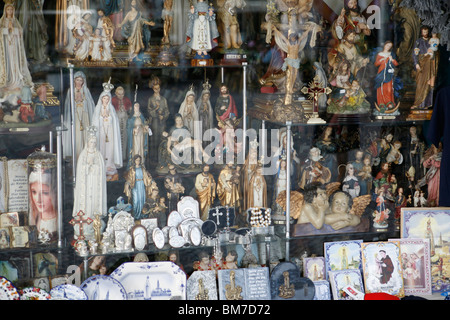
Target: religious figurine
(249, 167)
(227, 189)
(189, 113)
(136, 30)
(383, 181)
(425, 64)
(26, 111)
(137, 134)
(384, 81)
(202, 33)
(257, 194)
(99, 47)
(174, 257)
(280, 184)
(228, 24)
(108, 132)
(167, 17)
(90, 195)
(400, 202)
(204, 262)
(82, 33)
(414, 150)
(225, 106)
(158, 112)
(365, 176)
(341, 214)
(381, 213)
(39, 103)
(315, 206)
(314, 169)
(137, 185)
(205, 112)
(205, 188)
(395, 156)
(174, 187)
(432, 161)
(122, 105)
(84, 108)
(328, 149)
(106, 26)
(350, 183)
(351, 18)
(233, 292)
(13, 60)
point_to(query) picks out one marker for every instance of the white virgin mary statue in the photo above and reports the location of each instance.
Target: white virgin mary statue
(90, 187)
(108, 132)
(14, 72)
(189, 113)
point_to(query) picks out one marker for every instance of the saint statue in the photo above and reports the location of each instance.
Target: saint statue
(257, 194)
(14, 72)
(108, 132)
(227, 188)
(205, 187)
(122, 104)
(228, 23)
(90, 194)
(202, 33)
(137, 133)
(84, 108)
(188, 110)
(225, 107)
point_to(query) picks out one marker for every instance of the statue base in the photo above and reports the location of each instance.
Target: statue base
(315, 119)
(233, 59)
(202, 60)
(348, 118)
(166, 58)
(419, 115)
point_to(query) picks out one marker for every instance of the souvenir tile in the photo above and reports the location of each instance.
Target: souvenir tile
(244, 284)
(161, 280)
(314, 268)
(382, 271)
(201, 285)
(416, 265)
(432, 224)
(322, 290)
(342, 255)
(342, 278)
(287, 284)
(188, 207)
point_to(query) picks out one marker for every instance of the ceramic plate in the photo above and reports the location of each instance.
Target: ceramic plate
(174, 219)
(102, 287)
(7, 290)
(159, 280)
(195, 236)
(34, 293)
(177, 241)
(158, 238)
(67, 292)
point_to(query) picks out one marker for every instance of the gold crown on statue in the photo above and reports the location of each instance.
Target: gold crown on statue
(108, 86)
(206, 85)
(92, 130)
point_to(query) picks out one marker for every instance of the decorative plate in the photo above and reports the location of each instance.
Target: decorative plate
(67, 292)
(158, 238)
(195, 236)
(173, 232)
(34, 293)
(177, 241)
(101, 287)
(159, 280)
(186, 225)
(7, 290)
(174, 219)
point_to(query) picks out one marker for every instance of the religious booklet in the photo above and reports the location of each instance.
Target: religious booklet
(13, 185)
(244, 284)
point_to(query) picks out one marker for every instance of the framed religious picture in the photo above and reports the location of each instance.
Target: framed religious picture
(314, 268)
(339, 279)
(416, 265)
(342, 255)
(5, 238)
(9, 219)
(45, 264)
(432, 224)
(20, 237)
(382, 271)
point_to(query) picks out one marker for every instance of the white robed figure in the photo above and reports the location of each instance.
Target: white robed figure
(84, 108)
(14, 72)
(108, 132)
(202, 28)
(90, 187)
(189, 113)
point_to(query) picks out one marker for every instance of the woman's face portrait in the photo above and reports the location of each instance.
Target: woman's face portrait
(41, 196)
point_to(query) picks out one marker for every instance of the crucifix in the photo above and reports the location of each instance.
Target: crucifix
(314, 90)
(217, 214)
(78, 220)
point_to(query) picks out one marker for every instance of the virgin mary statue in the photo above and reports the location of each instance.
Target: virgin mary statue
(14, 72)
(108, 132)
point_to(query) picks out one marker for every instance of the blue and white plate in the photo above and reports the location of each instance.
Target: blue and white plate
(101, 287)
(67, 292)
(158, 280)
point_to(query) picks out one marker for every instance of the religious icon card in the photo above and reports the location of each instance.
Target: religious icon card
(382, 271)
(342, 255)
(416, 265)
(314, 268)
(339, 279)
(432, 224)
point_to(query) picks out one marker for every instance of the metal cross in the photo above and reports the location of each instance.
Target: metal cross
(80, 221)
(217, 214)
